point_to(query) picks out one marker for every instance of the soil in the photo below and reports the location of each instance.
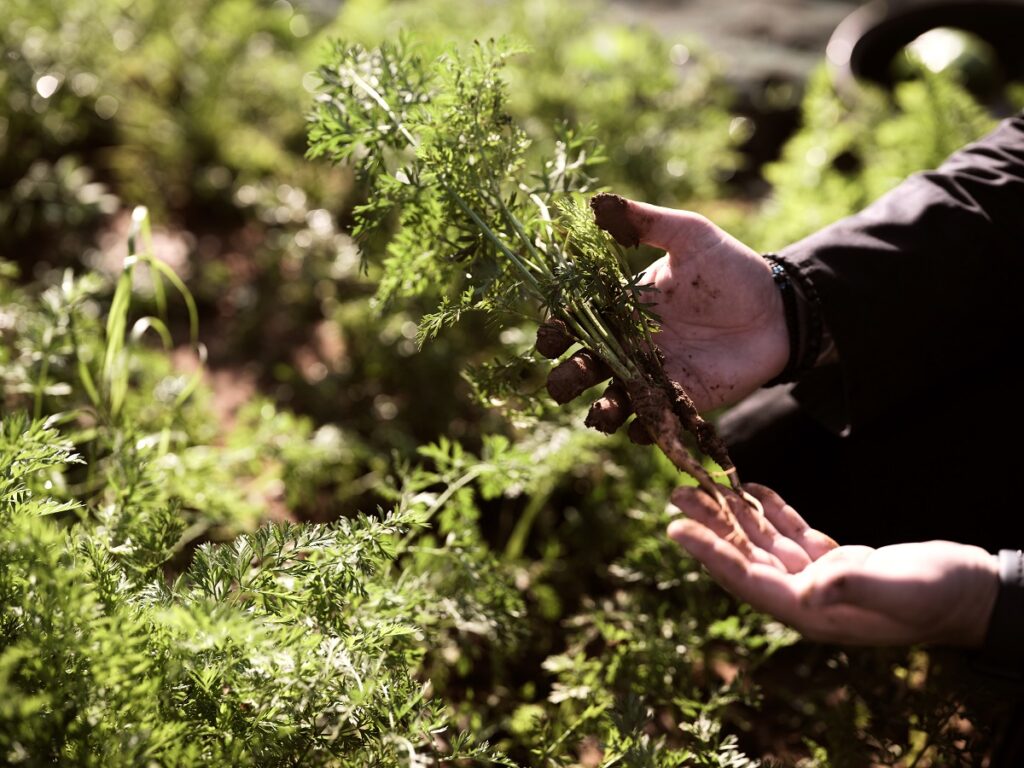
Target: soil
(610, 411)
(656, 410)
(611, 213)
(574, 376)
(553, 338)
(708, 438)
(637, 432)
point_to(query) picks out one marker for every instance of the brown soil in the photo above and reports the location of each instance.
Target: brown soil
(611, 213)
(707, 437)
(610, 411)
(553, 338)
(638, 433)
(655, 410)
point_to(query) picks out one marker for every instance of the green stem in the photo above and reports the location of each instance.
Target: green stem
(441, 500)
(517, 540)
(592, 338)
(607, 335)
(375, 95)
(521, 264)
(620, 257)
(493, 237)
(517, 226)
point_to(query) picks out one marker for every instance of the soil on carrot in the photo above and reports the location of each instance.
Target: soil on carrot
(572, 377)
(610, 411)
(611, 213)
(708, 439)
(553, 338)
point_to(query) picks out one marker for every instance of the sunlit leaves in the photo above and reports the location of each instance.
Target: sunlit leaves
(293, 643)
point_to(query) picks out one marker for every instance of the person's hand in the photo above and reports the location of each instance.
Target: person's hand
(930, 592)
(723, 329)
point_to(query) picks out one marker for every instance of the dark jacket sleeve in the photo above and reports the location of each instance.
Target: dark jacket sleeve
(1003, 651)
(923, 294)
(923, 284)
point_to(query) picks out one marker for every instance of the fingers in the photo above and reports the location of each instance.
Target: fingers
(578, 373)
(764, 587)
(779, 594)
(701, 508)
(581, 371)
(789, 523)
(765, 535)
(631, 222)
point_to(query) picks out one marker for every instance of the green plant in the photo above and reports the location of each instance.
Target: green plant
(846, 155)
(657, 104)
(158, 600)
(438, 150)
(291, 645)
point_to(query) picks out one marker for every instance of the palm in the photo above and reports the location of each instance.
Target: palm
(935, 591)
(722, 330)
(921, 591)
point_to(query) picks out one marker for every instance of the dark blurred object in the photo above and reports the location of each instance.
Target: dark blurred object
(980, 39)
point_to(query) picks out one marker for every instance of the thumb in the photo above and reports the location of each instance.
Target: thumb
(631, 222)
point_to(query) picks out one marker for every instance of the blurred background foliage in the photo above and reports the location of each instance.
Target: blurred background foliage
(525, 574)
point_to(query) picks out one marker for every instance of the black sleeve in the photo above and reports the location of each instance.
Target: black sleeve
(922, 295)
(923, 284)
(1003, 651)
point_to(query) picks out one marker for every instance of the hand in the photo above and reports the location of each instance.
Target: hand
(931, 592)
(723, 329)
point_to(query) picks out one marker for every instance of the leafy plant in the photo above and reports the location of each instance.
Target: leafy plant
(658, 104)
(845, 155)
(438, 150)
(294, 644)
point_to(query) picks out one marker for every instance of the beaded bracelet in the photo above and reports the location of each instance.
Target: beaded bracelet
(800, 306)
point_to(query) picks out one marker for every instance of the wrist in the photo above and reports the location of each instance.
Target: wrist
(980, 599)
(1002, 649)
(801, 313)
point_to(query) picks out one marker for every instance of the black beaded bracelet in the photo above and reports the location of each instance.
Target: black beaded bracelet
(800, 305)
(791, 312)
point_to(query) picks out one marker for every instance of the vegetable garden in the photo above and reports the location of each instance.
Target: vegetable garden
(280, 479)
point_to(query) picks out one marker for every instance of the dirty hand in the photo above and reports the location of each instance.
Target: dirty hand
(723, 329)
(930, 592)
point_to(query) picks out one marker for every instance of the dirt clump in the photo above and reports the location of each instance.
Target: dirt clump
(610, 411)
(611, 213)
(572, 377)
(553, 338)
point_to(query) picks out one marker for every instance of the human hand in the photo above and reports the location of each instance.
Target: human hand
(929, 592)
(723, 329)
